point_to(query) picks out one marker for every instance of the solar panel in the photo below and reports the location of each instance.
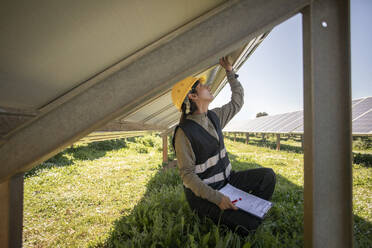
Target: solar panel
(255, 123)
(244, 125)
(235, 127)
(163, 116)
(361, 107)
(293, 122)
(267, 121)
(249, 126)
(292, 126)
(299, 129)
(274, 120)
(286, 118)
(363, 125)
(292, 118)
(353, 102)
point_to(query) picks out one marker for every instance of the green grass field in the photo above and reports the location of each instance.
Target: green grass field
(117, 194)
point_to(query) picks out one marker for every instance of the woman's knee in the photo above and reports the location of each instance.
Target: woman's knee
(270, 173)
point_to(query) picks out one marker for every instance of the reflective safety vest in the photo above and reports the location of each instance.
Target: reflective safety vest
(212, 162)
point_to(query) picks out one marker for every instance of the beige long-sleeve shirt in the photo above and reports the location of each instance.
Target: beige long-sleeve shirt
(185, 156)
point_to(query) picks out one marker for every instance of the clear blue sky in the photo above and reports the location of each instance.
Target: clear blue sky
(272, 77)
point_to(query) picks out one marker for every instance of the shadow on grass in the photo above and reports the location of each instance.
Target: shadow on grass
(363, 159)
(90, 151)
(163, 218)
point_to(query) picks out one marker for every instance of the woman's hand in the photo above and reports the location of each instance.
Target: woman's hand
(224, 62)
(226, 203)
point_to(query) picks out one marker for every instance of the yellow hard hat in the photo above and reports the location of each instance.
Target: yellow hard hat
(180, 89)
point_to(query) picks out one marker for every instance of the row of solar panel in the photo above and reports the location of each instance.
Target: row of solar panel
(292, 122)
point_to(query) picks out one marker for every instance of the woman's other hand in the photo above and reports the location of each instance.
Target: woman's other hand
(226, 204)
(224, 62)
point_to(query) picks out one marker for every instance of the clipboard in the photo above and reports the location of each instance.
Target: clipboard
(245, 201)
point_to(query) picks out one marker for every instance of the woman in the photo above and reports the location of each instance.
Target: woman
(201, 155)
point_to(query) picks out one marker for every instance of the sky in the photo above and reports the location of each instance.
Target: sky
(272, 77)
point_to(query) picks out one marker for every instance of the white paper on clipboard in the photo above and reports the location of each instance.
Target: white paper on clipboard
(247, 202)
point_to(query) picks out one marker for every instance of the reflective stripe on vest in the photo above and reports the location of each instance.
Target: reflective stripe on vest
(218, 177)
(212, 161)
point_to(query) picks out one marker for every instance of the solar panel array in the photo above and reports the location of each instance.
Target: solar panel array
(292, 122)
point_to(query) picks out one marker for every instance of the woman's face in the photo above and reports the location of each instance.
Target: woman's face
(204, 92)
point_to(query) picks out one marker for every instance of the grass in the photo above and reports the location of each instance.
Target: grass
(116, 194)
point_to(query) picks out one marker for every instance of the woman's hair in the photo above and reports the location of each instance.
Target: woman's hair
(193, 106)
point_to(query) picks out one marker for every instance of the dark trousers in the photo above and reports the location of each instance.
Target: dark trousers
(260, 182)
